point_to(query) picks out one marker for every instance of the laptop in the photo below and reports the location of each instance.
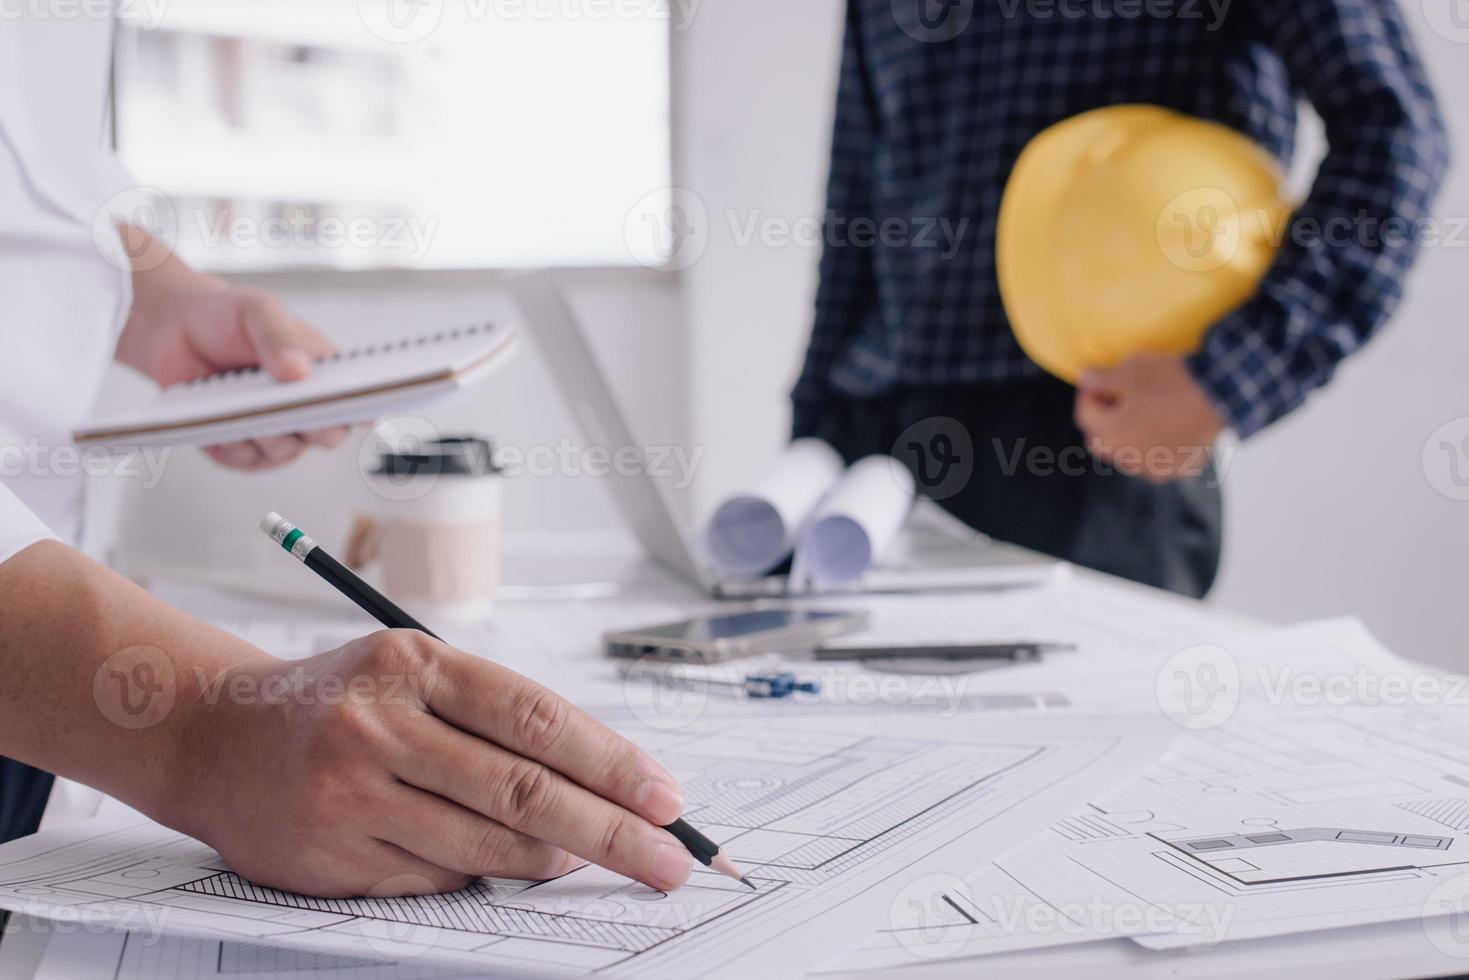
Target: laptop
(934, 552)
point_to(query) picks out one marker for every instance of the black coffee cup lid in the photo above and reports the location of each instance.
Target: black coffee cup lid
(450, 456)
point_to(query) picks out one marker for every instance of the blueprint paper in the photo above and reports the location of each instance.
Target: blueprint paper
(856, 523)
(1321, 802)
(830, 819)
(754, 531)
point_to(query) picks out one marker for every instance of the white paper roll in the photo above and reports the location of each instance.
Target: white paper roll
(753, 532)
(856, 522)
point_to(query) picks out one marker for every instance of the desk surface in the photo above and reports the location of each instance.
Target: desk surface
(1401, 950)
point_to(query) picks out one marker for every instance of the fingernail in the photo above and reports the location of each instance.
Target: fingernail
(662, 802)
(671, 866)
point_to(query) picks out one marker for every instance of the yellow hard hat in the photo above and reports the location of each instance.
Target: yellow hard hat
(1133, 229)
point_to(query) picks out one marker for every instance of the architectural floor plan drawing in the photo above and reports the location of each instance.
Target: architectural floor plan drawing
(829, 817)
(1270, 826)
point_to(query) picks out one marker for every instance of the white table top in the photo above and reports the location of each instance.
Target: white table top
(1401, 950)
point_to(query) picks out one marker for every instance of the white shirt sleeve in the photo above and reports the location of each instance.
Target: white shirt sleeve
(19, 527)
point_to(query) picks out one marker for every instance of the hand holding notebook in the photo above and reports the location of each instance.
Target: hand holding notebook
(349, 387)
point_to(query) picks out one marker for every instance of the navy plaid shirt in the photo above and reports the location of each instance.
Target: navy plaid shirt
(938, 98)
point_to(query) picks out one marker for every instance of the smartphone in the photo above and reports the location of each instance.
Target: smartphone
(727, 636)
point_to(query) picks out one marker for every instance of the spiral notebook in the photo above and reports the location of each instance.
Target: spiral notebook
(351, 386)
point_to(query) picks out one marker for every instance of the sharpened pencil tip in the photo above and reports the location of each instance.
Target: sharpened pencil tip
(747, 883)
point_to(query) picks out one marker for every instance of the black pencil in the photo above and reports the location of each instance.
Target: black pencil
(706, 852)
(301, 546)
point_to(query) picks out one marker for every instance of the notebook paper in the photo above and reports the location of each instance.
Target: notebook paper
(351, 386)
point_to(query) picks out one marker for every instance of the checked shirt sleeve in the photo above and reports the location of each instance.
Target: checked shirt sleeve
(846, 295)
(1340, 274)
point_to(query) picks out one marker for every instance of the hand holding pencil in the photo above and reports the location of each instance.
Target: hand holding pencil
(437, 767)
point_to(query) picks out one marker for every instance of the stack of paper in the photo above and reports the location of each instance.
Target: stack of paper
(349, 387)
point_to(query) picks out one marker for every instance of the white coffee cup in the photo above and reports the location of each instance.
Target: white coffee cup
(435, 530)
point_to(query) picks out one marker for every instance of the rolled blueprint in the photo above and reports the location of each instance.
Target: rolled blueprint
(753, 532)
(855, 523)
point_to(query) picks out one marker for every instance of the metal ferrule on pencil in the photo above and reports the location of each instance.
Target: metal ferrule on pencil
(288, 536)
